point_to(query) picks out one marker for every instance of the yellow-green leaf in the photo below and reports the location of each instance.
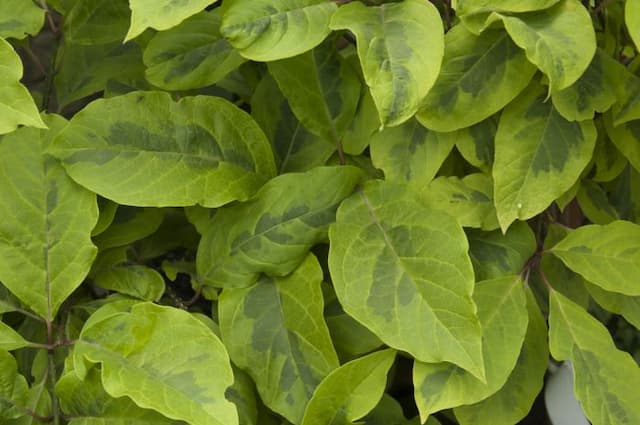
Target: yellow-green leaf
(161, 14)
(19, 18)
(267, 30)
(400, 46)
(606, 379)
(608, 255)
(402, 270)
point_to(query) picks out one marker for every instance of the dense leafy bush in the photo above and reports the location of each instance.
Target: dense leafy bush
(317, 212)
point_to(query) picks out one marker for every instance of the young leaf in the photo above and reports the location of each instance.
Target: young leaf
(503, 317)
(389, 411)
(135, 280)
(469, 7)
(608, 256)
(402, 270)
(560, 40)
(632, 19)
(161, 14)
(144, 149)
(19, 18)
(321, 88)
(606, 379)
(479, 76)
(84, 401)
(469, 200)
(351, 391)
(191, 55)
(400, 46)
(95, 22)
(156, 356)
(363, 126)
(10, 339)
(410, 153)
(14, 389)
(494, 254)
(514, 400)
(594, 91)
(45, 245)
(295, 148)
(276, 332)
(268, 30)
(16, 105)
(273, 232)
(539, 155)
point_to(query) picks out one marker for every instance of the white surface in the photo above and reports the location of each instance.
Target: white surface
(562, 406)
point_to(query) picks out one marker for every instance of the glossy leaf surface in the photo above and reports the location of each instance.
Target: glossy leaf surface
(402, 270)
(191, 55)
(503, 317)
(272, 232)
(608, 256)
(350, 391)
(157, 361)
(267, 30)
(539, 155)
(606, 378)
(479, 76)
(134, 148)
(275, 331)
(400, 46)
(42, 267)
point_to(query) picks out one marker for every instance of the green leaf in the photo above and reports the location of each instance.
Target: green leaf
(594, 91)
(363, 126)
(273, 232)
(608, 256)
(539, 155)
(86, 402)
(16, 105)
(191, 55)
(632, 19)
(625, 137)
(242, 393)
(503, 317)
(267, 30)
(400, 46)
(10, 339)
(476, 143)
(134, 149)
(479, 76)
(351, 391)
(514, 400)
(13, 388)
(402, 270)
(135, 280)
(560, 41)
(161, 14)
(322, 90)
(45, 245)
(156, 355)
(38, 401)
(389, 412)
(295, 148)
(107, 212)
(624, 305)
(83, 70)
(469, 7)
(129, 225)
(410, 153)
(349, 337)
(594, 203)
(469, 200)
(495, 254)
(608, 162)
(605, 379)
(276, 332)
(96, 21)
(19, 18)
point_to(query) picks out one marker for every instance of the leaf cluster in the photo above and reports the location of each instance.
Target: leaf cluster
(317, 212)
